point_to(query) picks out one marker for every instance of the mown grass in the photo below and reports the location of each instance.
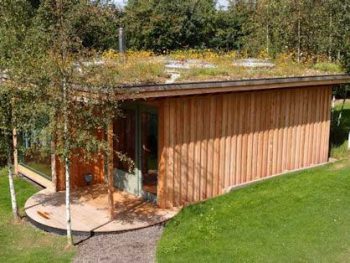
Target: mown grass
(40, 167)
(21, 242)
(301, 217)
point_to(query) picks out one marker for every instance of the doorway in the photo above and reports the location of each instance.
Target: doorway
(137, 138)
(149, 151)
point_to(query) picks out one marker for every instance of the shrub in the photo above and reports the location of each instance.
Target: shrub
(328, 67)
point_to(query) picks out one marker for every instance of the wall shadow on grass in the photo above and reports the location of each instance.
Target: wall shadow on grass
(339, 134)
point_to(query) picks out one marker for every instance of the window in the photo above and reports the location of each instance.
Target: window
(35, 152)
(124, 142)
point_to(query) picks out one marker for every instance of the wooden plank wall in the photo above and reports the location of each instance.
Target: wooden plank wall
(211, 143)
(78, 168)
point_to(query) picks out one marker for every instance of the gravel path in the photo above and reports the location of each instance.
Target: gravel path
(135, 246)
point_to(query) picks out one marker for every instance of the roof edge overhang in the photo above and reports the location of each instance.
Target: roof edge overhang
(200, 88)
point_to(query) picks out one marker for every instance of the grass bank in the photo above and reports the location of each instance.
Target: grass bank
(301, 217)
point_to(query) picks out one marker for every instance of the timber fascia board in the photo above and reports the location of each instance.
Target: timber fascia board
(200, 88)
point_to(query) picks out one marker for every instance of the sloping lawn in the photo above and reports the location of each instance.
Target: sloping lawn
(301, 217)
(22, 242)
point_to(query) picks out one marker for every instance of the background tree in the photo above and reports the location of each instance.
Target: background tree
(346, 43)
(97, 27)
(162, 25)
(304, 27)
(230, 27)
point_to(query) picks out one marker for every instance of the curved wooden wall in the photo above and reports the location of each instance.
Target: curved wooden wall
(210, 143)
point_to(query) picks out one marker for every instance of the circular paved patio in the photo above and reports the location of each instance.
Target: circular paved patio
(90, 214)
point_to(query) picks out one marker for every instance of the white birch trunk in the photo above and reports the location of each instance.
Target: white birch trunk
(15, 152)
(68, 210)
(110, 170)
(66, 163)
(12, 185)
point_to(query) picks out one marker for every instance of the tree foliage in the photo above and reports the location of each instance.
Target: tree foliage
(17, 94)
(230, 28)
(307, 28)
(345, 47)
(162, 25)
(45, 55)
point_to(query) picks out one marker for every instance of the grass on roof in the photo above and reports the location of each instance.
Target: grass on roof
(285, 66)
(144, 67)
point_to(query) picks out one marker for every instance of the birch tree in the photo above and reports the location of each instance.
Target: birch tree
(16, 98)
(6, 126)
(55, 23)
(79, 108)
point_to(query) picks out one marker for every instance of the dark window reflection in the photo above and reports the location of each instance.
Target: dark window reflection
(125, 138)
(149, 142)
(34, 151)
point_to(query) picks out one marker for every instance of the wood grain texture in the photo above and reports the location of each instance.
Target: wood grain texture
(209, 143)
(80, 167)
(214, 142)
(162, 157)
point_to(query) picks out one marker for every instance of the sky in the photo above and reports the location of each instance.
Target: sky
(220, 2)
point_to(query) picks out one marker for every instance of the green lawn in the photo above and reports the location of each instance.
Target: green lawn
(42, 168)
(300, 217)
(22, 242)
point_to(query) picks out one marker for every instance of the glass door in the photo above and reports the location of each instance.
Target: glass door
(126, 142)
(137, 138)
(149, 151)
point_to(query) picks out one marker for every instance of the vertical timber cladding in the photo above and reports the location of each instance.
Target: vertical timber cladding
(210, 143)
(79, 168)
